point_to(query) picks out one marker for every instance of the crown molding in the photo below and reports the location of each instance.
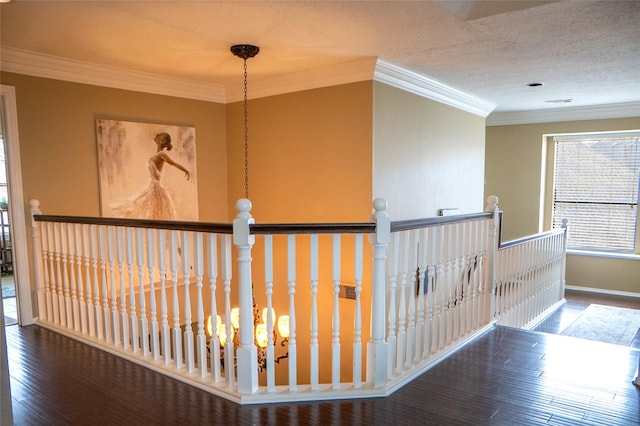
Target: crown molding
(47, 66)
(344, 73)
(421, 85)
(592, 112)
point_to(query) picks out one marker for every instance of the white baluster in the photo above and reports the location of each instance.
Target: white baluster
(64, 255)
(151, 263)
(46, 266)
(133, 316)
(486, 288)
(80, 254)
(177, 332)
(75, 308)
(102, 231)
(164, 314)
(519, 285)
(450, 273)
(412, 254)
(268, 278)
(456, 275)
(474, 238)
(315, 358)
(430, 287)
(357, 339)
(229, 354)
(511, 284)
(212, 273)
(86, 254)
(441, 287)
(463, 277)
(514, 284)
(57, 237)
(402, 302)
(96, 291)
(476, 277)
(124, 319)
(291, 277)
(393, 289)
(523, 284)
(186, 274)
(198, 269)
(52, 300)
(115, 320)
(335, 341)
(421, 347)
(144, 322)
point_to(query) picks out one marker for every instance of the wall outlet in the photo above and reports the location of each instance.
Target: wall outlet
(347, 292)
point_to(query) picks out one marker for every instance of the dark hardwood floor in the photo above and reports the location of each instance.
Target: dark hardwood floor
(578, 301)
(505, 377)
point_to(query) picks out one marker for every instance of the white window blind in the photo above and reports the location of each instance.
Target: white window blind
(596, 187)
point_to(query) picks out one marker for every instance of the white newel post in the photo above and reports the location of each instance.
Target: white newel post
(247, 351)
(492, 207)
(565, 224)
(377, 351)
(37, 259)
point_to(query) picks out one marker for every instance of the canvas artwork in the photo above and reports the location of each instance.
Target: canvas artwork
(147, 171)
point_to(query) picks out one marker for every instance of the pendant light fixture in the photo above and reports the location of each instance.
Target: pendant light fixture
(245, 51)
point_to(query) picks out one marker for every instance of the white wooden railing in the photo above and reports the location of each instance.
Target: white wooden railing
(363, 318)
(439, 288)
(529, 279)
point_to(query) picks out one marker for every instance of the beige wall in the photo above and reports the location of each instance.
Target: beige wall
(426, 155)
(514, 162)
(309, 155)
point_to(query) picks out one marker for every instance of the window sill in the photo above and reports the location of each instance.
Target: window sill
(604, 254)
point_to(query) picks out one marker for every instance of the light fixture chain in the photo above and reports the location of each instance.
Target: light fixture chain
(246, 136)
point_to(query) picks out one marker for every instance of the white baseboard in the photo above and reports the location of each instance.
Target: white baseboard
(603, 291)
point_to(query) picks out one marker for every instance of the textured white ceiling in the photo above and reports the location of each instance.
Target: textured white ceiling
(588, 51)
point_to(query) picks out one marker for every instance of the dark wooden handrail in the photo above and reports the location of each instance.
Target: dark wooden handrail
(220, 228)
(405, 225)
(265, 228)
(313, 228)
(528, 238)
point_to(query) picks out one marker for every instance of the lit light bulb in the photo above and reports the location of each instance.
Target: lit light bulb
(235, 318)
(261, 335)
(283, 326)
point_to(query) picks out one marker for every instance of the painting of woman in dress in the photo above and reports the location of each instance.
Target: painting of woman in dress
(128, 160)
(155, 202)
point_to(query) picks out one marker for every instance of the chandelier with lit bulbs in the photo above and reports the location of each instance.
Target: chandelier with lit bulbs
(260, 318)
(261, 336)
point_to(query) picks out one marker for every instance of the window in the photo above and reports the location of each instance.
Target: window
(596, 187)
